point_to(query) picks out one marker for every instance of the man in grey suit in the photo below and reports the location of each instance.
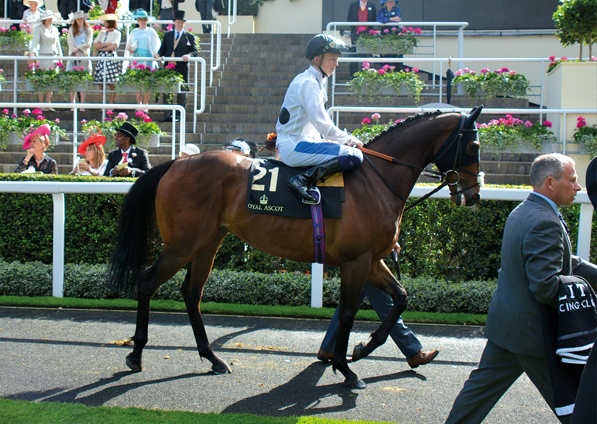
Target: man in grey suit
(536, 256)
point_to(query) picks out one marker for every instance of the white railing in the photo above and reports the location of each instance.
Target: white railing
(105, 106)
(336, 110)
(58, 189)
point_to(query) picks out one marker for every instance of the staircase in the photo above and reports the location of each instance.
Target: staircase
(245, 99)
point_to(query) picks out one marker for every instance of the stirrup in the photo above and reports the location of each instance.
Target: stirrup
(314, 191)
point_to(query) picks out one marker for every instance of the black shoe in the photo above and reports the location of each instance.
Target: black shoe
(300, 184)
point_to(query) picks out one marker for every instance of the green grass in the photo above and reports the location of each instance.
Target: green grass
(16, 412)
(234, 309)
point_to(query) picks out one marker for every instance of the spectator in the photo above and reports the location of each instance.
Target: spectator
(36, 143)
(80, 39)
(389, 12)
(536, 258)
(127, 160)
(139, 4)
(106, 43)
(205, 8)
(143, 42)
(359, 11)
(244, 147)
(189, 150)
(179, 43)
(46, 42)
(95, 161)
(34, 12)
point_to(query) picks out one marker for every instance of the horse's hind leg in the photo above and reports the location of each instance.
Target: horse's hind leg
(192, 289)
(381, 277)
(163, 269)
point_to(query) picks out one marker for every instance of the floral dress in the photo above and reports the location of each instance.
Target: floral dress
(113, 67)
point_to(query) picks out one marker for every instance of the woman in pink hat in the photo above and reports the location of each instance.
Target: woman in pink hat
(95, 161)
(36, 143)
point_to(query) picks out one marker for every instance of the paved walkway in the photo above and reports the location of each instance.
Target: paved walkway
(69, 356)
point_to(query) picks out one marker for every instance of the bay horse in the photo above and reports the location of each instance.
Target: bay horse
(197, 200)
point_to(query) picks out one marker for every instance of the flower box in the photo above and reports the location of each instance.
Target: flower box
(55, 88)
(369, 90)
(374, 82)
(486, 84)
(383, 50)
(13, 138)
(126, 88)
(394, 41)
(151, 140)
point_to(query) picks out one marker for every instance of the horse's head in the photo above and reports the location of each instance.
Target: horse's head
(458, 159)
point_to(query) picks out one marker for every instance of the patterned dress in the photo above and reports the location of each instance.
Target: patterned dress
(113, 67)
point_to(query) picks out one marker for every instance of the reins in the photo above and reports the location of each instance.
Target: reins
(442, 176)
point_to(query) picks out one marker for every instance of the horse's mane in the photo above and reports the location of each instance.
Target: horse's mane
(402, 123)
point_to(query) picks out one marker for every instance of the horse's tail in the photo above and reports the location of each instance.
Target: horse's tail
(137, 221)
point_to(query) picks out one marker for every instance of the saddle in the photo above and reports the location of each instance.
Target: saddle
(268, 191)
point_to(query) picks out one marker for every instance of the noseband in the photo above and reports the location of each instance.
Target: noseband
(453, 148)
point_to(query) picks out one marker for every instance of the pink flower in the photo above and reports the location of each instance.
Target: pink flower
(60, 65)
(376, 116)
(14, 116)
(415, 70)
(504, 69)
(417, 31)
(13, 28)
(57, 120)
(484, 70)
(528, 124)
(473, 72)
(83, 121)
(366, 65)
(467, 70)
(169, 27)
(108, 119)
(547, 124)
(385, 31)
(37, 111)
(139, 113)
(458, 72)
(386, 67)
(552, 58)
(190, 29)
(64, 30)
(381, 71)
(361, 29)
(593, 58)
(40, 117)
(122, 115)
(499, 71)
(392, 68)
(26, 112)
(564, 59)
(6, 111)
(407, 70)
(109, 112)
(366, 121)
(512, 73)
(147, 119)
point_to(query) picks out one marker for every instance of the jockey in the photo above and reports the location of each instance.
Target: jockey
(306, 134)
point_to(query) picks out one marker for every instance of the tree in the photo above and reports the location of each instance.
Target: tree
(576, 22)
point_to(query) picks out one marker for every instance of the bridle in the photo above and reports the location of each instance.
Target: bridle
(454, 147)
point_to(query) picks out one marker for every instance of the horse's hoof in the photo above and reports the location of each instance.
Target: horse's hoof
(358, 352)
(221, 368)
(134, 363)
(355, 383)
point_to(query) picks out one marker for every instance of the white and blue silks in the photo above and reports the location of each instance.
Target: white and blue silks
(303, 122)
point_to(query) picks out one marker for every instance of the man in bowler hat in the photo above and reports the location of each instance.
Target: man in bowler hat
(127, 160)
(179, 43)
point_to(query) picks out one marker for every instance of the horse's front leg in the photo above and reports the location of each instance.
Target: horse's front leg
(381, 277)
(352, 279)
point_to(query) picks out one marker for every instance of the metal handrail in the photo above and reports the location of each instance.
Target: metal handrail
(76, 106)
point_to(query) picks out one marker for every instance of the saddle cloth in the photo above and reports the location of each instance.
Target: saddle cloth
(268, 191)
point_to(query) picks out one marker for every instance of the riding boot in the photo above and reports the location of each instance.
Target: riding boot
(303, 182)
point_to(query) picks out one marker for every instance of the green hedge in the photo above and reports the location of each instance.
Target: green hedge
(287, 289)
(437, 238)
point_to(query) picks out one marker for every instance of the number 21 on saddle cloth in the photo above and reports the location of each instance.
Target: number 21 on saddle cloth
(268, 191)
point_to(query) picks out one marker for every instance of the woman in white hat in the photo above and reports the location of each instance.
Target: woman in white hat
(34, 12)
(143, 42)
(46, 42)
(106, 42)
(80, 38)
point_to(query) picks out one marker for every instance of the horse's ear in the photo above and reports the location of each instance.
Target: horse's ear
(472, 116)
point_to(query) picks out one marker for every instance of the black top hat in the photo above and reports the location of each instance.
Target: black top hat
(592, 182)
(129, 130)
(179, 15)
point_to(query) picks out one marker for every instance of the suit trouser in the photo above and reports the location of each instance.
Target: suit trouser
(181, 98)
(497, 370)
(382, 302)
(205, 7)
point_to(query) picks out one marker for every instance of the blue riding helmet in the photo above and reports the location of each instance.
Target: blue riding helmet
(323, 43)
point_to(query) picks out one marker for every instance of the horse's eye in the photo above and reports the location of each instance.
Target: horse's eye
(472, 148)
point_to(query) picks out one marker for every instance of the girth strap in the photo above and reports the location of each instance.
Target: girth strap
(318, 230)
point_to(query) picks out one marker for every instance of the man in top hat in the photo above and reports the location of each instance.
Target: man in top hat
(127, 160)
(179, 43)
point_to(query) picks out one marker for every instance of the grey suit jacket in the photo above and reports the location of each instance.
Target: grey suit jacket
(536, 253)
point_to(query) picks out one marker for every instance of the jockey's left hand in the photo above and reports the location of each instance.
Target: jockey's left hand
(355, 142)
